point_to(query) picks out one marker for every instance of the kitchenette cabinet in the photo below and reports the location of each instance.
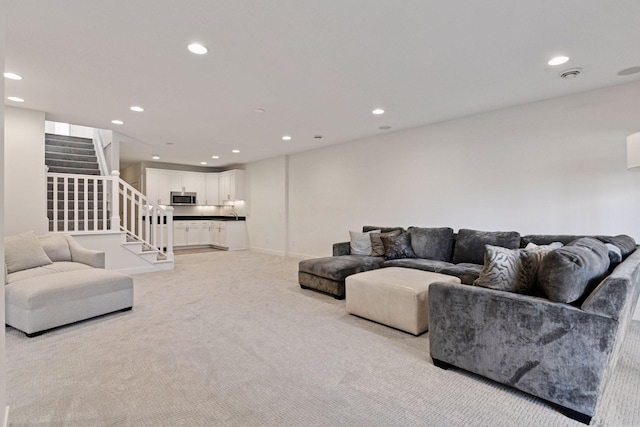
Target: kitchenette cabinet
(230, 235)
(212, 189)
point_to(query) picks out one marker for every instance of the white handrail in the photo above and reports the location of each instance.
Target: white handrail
(85, 209)
(145, 220)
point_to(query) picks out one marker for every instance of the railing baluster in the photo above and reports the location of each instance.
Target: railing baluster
(96, 202)
(55, 203)
(65, 188)
(132, 219)
(86, 204)
(75, 203)
(103, 182)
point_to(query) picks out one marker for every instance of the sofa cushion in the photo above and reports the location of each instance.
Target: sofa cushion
(511, 270)
(381, 229)
(470, 244)
(625, 243)
(417, 263)
(467, 272)
(56, 247)
(360, 243)
(338, 267)
(56, 267)
(397, 247)
(377, 248)
(432, 243)
(566, 274)
(24, 251)
(547, 239)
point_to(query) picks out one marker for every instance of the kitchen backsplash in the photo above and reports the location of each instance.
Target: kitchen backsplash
(239, 208)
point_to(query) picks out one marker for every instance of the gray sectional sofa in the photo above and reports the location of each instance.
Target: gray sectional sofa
(548, 320)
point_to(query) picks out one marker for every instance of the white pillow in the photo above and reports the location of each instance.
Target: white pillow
(361, 242)
(24, 251)
(554, 245)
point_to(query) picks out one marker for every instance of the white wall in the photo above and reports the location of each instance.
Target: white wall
(3, 368)
(556, 166)
(24, 175)
(266, 212)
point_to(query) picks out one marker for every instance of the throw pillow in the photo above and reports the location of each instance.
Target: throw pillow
(566, 274)
(511, 270)
(625, 243)
(615, 254)
(470, 244)
(24, 251)
(432, 243)
(377, 248)
(56, 247)
(550, 246)
(397, 247)
(361, 243)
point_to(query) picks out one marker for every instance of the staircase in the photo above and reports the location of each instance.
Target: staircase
(80, 200)
(70, 154)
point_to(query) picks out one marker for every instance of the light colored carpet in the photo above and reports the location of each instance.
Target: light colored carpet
(230, 339)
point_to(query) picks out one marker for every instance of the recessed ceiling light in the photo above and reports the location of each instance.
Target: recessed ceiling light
(571, 74)
(197, 48)
(12, 76)
(169, 143)
(203, 163)
(384, 127)
(215, 157)
(155, 157)
(15, 99)
(378, 111)
(558, 60)
(117, 122)
(318, 136)
(286, 138)
(235, 151)
(137, 109)
(259, 110)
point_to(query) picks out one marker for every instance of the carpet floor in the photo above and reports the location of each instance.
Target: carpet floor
(230, 339)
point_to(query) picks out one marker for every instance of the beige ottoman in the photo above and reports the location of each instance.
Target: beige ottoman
(393, 296)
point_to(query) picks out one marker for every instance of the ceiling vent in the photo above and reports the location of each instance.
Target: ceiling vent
(571, 74)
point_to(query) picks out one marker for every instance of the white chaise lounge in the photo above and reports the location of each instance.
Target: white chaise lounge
(52, 281)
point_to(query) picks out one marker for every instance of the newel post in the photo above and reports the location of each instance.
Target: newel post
(115, 200)
(169, 232)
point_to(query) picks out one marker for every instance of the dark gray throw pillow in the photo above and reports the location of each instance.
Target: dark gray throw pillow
(566, 274)
(397, 247)
(470, 244)
(377, 248)
(432, 243)
(368, 228)
(625, 243)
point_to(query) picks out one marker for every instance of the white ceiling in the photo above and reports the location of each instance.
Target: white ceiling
(316, 67)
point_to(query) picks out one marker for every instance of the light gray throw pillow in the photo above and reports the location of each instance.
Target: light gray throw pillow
(56, 247)
(24, 251)
(361, 242)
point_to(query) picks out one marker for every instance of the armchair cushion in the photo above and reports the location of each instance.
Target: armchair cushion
(24, 251)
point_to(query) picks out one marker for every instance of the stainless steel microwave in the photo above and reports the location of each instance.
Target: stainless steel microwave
(179, 198)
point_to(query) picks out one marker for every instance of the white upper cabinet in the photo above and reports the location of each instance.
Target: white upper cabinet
(211, 189)
(231, 185)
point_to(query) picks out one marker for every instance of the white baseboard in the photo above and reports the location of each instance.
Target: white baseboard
(139, 270)
(267, 251)
(302, 256)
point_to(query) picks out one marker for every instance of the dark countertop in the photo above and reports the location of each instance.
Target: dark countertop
(208, 218)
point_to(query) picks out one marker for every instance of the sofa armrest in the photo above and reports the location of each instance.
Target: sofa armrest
(342, 248)
(526, 342)
(86, 256)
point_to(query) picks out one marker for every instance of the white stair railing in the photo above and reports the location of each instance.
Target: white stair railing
(92, 204)
(78, 203)
(144, 219)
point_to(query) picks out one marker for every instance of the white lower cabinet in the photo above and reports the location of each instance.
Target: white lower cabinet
(231, 235)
